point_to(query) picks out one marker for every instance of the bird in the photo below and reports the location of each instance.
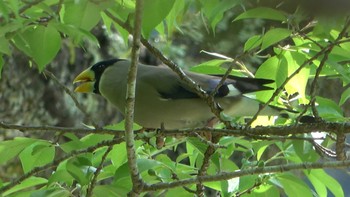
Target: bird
(163, 100)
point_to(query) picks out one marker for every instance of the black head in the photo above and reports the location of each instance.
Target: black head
(99, 68)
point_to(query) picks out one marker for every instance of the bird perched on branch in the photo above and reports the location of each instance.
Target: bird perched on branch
(163, 99)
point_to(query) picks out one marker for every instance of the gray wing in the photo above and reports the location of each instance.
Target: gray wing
(169, 85)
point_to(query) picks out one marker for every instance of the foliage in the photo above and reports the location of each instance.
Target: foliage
(295, 47)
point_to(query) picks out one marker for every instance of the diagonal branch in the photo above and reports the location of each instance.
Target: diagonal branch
(92, 184)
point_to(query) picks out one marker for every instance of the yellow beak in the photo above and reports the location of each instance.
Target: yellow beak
(86, 80)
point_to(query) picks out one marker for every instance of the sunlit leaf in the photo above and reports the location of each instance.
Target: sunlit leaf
(210, 67)
(328, 109)
(294, 186)
(252, 42)
(273, 36)
(323, 181)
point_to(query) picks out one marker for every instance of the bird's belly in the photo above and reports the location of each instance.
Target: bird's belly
(173, 114)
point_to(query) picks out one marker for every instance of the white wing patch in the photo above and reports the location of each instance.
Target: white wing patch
(233, 90)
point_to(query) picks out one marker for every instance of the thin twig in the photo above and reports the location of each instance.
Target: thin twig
(97, 172)
(23, 128)
(250, 189)
(314, 83)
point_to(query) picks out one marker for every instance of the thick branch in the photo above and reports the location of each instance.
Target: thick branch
(246, 172)
(257, 132)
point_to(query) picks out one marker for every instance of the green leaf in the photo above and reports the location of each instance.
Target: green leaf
(304, 150)
(10, 27)
(294, 186)
(110, 190)
(328, 109)
(11, 148)
(1, 65)
(52, 192)
(61, 176)
(4, 46)
(174, 15)
(155, 11)
(252, 43)
(264, 13)
(341, 69)
(344, 96)
(27, 183)
(82, 14)
(194, 153)
(39, 42)
(210, 67)
(247, 182)
(299, 81)
(107, 22)
(265, 190)
(37, 154)
(273, 36)
(179, 191)
(4, 10)
(214, 10)
(321, 180)
(118, 155)
(81, 169)
(275, 69)
(202, 147)
(86, 141)
(76, 34)
(146, 164)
